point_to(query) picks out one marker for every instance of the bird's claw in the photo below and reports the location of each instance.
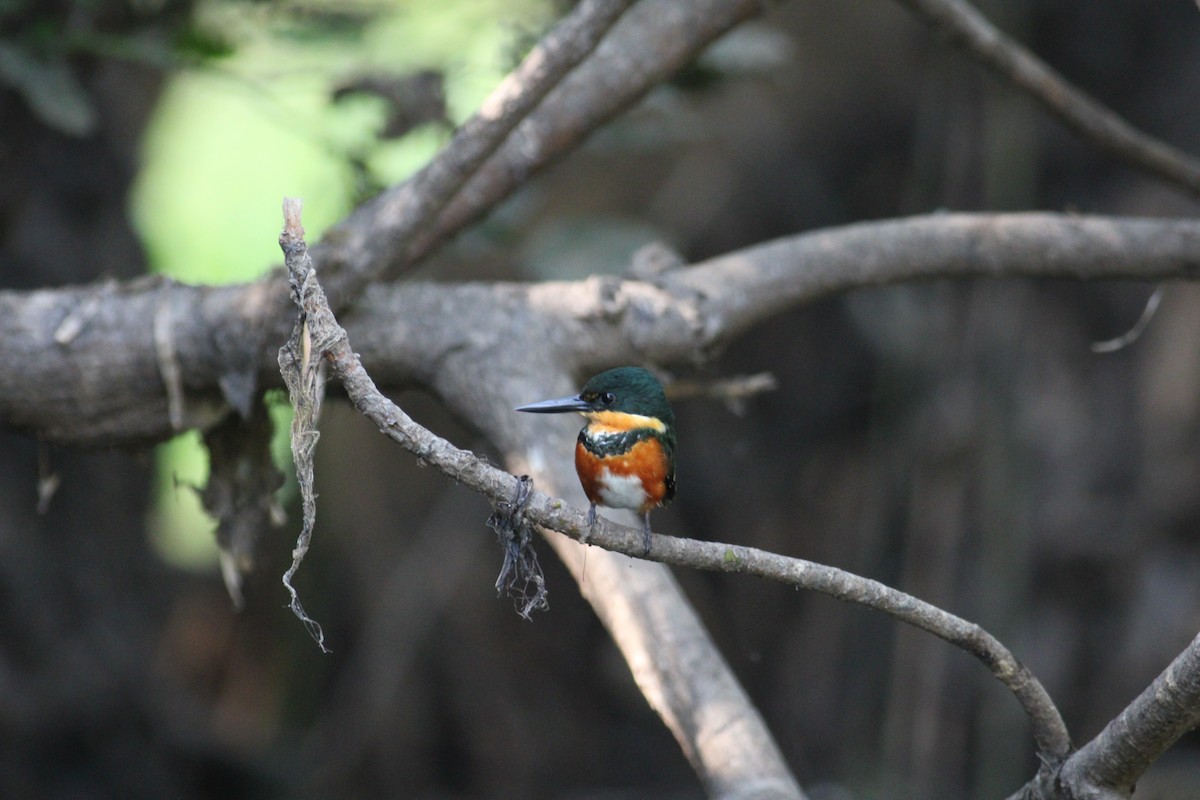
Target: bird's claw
(591, 525)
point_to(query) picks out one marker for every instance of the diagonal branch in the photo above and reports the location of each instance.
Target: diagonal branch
(1066, 102)
(529, 120)
(359, 249)
(650, 44)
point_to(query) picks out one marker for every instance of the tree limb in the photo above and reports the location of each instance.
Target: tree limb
(105, 387)
(800, 269)
(1075, 108)
(226, 343)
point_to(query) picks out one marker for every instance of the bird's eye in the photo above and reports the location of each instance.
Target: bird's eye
(608, 398)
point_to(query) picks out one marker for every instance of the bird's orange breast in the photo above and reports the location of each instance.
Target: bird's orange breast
(607, 479)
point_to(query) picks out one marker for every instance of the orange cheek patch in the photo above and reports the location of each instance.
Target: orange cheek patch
(619, 422)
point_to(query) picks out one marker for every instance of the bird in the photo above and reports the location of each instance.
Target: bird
(625, 454)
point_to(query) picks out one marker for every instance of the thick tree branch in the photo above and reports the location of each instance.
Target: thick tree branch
(1125, 749)
(688, 312)
(104, 386)
(803, 268)
(226, 342)
(1067, 103)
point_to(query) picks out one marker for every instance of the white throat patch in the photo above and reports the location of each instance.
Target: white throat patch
(621, 491)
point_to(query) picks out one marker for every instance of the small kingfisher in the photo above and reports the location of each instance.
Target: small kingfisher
(625, 455)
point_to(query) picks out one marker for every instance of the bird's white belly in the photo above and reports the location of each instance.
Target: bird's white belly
(621, 491)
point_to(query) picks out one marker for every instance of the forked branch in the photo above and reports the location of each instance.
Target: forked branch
(1111, 764)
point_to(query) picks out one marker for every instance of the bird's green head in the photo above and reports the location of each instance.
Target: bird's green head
(623, 397)
(628, 390)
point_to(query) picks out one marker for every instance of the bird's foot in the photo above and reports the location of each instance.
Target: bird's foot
(591, 525)
(646, 534)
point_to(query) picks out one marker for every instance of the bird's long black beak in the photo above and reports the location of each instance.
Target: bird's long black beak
(557, 406)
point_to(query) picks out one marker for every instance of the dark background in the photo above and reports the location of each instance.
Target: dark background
(957, 440)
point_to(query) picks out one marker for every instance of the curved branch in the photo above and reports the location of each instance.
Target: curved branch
(1067, 103)
(738, 290)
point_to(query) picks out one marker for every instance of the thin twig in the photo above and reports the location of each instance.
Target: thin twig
(1133, 334)
(299, 364)
(1074, 107)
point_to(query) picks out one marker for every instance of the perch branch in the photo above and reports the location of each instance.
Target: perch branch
(1067, 103)
(464, 467)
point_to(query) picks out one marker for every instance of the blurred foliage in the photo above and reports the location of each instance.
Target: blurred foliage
(327, 101)
(232, 137)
